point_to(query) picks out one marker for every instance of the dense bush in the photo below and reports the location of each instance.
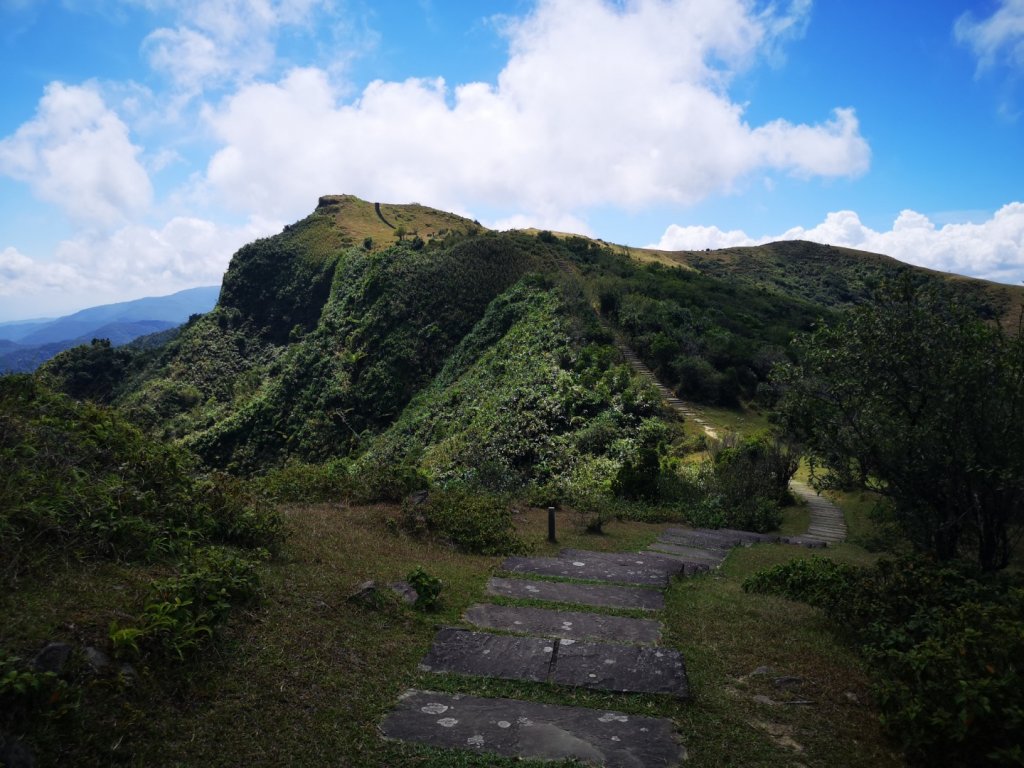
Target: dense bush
(705, 337)
(301, 482)
(80, 481)
(944, 645)
(473, 521)
(913, 396)
(89, 371)
(744, 484)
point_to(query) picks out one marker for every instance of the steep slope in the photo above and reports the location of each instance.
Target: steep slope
(316, 340)
(412, 336)
(535, 394)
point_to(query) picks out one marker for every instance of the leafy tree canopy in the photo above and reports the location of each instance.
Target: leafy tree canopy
(915, 397)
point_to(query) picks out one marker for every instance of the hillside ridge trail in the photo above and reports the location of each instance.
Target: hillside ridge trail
(827, 523)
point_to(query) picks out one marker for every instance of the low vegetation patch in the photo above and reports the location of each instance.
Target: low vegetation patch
(943, 643)
(474, 521)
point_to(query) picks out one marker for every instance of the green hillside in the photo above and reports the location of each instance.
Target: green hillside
(388, 331)
(837, 276)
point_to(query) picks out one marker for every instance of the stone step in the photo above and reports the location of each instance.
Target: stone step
(806, 541)
(621, 668)
(571, 625)
(603, 666)
(728, 536)
(644, 569)
(527, 730)
(690, 566)
(600, 595)
(464, 652)
(700, 539)
(624, 559)
(712, 557)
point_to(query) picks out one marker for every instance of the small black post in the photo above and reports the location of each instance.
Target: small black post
(551, 525)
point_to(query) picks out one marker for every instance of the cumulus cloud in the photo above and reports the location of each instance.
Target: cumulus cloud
(998, 38)
(600, 103)
(77, 154)
(130, 262)
(992, 249)
(219, 41)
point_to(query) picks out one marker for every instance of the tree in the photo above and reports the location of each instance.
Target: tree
(913, 396)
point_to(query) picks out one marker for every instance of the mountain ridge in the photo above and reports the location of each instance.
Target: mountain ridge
(28, 344)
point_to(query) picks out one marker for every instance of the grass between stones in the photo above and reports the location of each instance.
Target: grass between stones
(306, 678)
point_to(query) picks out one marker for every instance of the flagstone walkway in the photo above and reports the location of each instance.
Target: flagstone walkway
(570, 647)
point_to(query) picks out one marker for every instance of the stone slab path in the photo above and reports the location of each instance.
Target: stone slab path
(569, 625)
(603, 666)
(528, 730)
(590, 566)
(567, 647)
(597, 595)
(564, 647)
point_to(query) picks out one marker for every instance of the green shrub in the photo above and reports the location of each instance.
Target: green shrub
(184, 611)
(428, 588)
(944, 645)
(815, 580)
(80, 480)
(26, 694)
(744, 484)
(472, 520)
(386, 482)
(302, 482)
(237, 515)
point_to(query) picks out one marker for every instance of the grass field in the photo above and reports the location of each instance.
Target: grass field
(306, 678)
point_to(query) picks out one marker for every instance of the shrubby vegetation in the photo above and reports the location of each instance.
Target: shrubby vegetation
(744, 483)
(474, 522)
(943, 643)
(916, 398)
(711, 340)
(81, 483)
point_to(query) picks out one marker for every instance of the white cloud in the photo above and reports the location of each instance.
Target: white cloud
(556, 223)
(216, 42)
(598, 104)
(997, 38)
(992, 249)
(131, 262)
(76, 153)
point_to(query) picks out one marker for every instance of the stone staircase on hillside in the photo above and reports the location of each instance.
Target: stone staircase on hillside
(670, 397)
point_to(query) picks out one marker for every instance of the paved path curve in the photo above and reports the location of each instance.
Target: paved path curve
(827, 522)
(827, 525)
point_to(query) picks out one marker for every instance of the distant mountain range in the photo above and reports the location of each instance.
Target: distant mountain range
(25, 345)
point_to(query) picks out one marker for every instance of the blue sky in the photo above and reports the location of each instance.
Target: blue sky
(143, 141)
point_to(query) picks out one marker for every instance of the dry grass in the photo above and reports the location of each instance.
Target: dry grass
(357, 219)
